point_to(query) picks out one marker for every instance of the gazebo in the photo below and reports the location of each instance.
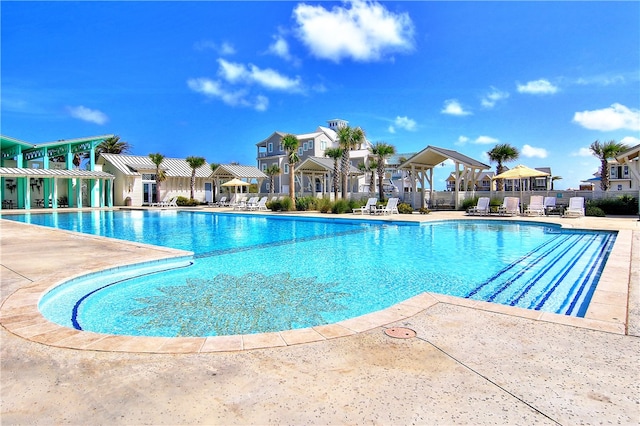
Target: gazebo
(421, 166)
(320, 168)
(226, 172)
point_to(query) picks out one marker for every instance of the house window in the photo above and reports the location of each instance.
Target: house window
(264, 167)
(625, 170)
(280, 147)
(619, 187)
(305, 146)
(614, 172)
(323, 145)
(270, 147)
(286, 168)
(310, 144)
(300, 151)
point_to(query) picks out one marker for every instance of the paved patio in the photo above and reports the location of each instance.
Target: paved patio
(470, 362)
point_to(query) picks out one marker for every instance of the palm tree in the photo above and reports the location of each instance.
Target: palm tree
(335, 154)
(348, 138)
(369, 166)
(161, 176)
(502, 153)
(604, 151)
(195, 163)
(290, 144)
(382, 151)
(272, 171)
(112, 145)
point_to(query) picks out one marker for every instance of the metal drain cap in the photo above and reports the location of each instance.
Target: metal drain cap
(400, 333)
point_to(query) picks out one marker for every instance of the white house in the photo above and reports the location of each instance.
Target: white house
(135, 179)
(313, 144)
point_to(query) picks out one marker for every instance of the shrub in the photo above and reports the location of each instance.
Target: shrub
(186, 202)
(594, 211)
(286, 204)
(341, 206)
(623, 205)
(405, 208)
(469, 202)
(274, 206)
(305, 203)
(356, 204)
(324, 205)
(424, 210)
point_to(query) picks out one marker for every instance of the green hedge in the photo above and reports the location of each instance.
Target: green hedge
(623, 205)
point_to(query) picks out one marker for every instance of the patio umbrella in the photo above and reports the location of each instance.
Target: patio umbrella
(235, 182)
(520, 172)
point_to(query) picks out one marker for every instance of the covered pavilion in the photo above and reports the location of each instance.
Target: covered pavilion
(421, 166)
(320, 170)
(45, 175)
(226, 172)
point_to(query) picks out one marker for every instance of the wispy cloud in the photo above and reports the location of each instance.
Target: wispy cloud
(86, 114)
(359, 30)
(224, 48)
(615, 117)
(214, 89)
(485, 140)
(530, 152)
(630, 141)
(250, 74)
(538, 87)
(453, 107)
(582, 152)
(405, 123)
(280, 48)
(493, 97)
(462, 140)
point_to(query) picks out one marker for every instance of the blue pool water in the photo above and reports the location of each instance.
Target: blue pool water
(254, 273)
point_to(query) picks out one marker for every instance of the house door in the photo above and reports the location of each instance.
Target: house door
(208, 194)
(149, 193)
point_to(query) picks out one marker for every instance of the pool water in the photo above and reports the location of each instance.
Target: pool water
(253, 273)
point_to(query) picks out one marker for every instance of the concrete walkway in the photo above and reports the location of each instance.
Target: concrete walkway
(466, 364)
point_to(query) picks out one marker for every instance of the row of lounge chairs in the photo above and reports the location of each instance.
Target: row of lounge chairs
(253, 203)
(372, 208)
(167, 202)
(538, 206)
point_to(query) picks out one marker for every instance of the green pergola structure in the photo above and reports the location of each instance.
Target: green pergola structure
(29, 174)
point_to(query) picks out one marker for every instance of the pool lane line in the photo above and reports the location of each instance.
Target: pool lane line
(514, 264)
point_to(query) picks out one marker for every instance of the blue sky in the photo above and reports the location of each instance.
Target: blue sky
(212, 79)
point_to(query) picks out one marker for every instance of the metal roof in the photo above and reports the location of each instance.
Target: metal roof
(629, 154)
(322, 164)
(134, 165)
(431, 156)
(230, 171)
(53, 173)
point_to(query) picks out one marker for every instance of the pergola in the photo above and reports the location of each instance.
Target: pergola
(421, 166)
(630, 156)
(27, 167)
(225, 172)
(320, 167)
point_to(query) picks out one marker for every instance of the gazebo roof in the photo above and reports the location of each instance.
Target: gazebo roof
(230, 171)
(431, 156)
(321, 164)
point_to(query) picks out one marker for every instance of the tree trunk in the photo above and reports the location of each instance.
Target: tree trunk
(292, 188)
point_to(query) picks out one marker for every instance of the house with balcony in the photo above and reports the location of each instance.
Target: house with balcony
(312, 145)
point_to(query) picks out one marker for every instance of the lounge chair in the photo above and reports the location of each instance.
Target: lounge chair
(253, 201)
(369, 207)
(536, 206)
(576, 207)
(261, 205)
(161, 203)
(549, 204)
(390, 208)
(239, 205)
(220, 203)
(481, 207)
(510, 206)
(173, 202)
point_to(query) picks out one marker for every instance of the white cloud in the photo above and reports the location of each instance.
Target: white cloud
(361, 30)
(485, 140)
(453, 107)
(538, 87)
(616, 117)
(630, 141)
(214, 89)
(280, 48)
(582, 152)
(225, 48)
(405, 123)
(86, 114)
(490, 100)
(271, 79)
(391, 129)
(529, 151)
(461, 140)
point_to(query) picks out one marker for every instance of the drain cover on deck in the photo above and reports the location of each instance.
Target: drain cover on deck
(400, 333)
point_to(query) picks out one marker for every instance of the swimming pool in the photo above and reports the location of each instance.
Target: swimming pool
(255, 273)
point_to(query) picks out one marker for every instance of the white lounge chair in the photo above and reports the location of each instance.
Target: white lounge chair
(220, 203)
(536, 206)
(173, 202)
(481, 207)
(369, 207)
(390, 208)
(576, 207)
(261, 205)
(251, 203)
(161, 203)
(510, 206)
(240, 204)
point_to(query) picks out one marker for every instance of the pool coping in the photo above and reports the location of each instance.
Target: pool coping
(19, 314)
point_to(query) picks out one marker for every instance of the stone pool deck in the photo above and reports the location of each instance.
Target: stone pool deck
(469, 363)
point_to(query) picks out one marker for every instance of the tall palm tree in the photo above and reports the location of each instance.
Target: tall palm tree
(290, 143)
(382, 151)
(502, 153)
(161, 176)
(604, 151)
(272, 171)
(348, 138)
(112, 145)
(369, 166)
(335, 154)
(195, 163)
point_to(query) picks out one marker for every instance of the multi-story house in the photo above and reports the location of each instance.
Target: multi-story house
(271, 152)
(482, 183)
